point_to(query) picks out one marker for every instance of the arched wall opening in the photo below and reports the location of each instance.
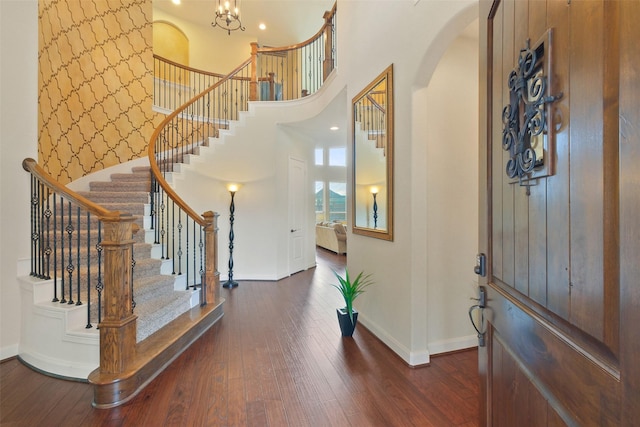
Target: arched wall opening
(445, 187)
(170, 42)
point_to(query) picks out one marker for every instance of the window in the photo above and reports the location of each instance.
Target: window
(320, 201)
(319, 157)
(337, 201)
(338, 156)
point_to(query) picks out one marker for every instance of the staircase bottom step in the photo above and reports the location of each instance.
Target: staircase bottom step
(153, 355)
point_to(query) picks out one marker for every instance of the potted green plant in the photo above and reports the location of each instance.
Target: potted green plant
(350, 290)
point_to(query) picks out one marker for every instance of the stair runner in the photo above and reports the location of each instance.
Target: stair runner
(156, 301)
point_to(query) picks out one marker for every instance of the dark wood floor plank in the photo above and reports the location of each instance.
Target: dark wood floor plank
(276, 358)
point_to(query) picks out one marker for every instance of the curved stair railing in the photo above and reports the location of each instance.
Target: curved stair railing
(187, 238)
(178, 228)
(83, 246)
(174, 84)
(284, 73)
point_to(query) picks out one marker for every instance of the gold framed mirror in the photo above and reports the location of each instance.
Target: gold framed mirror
(372, 121)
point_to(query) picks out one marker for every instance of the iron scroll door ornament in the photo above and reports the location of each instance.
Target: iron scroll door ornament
(526, 133)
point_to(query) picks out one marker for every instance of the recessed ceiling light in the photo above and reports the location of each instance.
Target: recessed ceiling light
(262, 27)
(334, 128)
(175, 1)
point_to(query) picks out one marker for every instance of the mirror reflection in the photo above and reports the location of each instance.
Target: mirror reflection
(373, 158)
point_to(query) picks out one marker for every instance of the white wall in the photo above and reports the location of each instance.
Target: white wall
(397, 308)
(452, 195)
(211, 49)
(18, 128)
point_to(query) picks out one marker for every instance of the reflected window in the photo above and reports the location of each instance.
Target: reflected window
(319, 157)
(320, 204)
(338, 156)
(338, 201)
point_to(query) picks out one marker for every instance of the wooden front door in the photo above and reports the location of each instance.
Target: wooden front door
(560, 212)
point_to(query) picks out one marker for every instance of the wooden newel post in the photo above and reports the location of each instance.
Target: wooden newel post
(253, 84)
(212, 276)
(327, 65)
(118, 326)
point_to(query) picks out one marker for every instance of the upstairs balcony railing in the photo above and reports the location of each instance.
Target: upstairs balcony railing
(274, 74)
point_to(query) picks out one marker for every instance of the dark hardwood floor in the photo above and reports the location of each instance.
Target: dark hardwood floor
(275, 359)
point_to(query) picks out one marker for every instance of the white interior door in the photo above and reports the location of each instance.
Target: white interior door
(297, 209)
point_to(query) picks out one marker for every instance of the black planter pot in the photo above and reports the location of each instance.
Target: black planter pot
(346, 327)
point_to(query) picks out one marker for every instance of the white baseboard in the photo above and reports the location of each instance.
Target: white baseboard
(418, 357)
(412, 358)
(8, 351)
(57, 367)
(453, 344)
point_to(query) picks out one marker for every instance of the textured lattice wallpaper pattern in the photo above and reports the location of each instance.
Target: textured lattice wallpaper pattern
(95, 84)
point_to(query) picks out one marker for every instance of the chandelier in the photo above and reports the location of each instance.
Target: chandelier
(226, 17)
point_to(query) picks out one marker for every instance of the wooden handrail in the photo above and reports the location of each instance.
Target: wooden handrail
(376, 104)
(310, 40)
(155, 169)
(118, 326)
(31, 166)
(187, 68)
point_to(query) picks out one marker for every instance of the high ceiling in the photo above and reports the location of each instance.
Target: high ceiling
(288, 21)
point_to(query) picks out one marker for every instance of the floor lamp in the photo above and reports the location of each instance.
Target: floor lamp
(374, 191)
(229, 284)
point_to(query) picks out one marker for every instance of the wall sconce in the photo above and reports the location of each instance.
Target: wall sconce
(374, 191)
(230, 283)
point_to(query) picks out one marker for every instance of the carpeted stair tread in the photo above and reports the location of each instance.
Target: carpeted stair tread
(119, 187)
(156, 300)
(103, 197)
(149, 287)
(156, 313)
(132, 208)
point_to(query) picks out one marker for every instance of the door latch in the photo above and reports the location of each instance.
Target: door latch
(481, 265)
(482, 303)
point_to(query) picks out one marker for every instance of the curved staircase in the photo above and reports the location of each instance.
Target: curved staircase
(57, 338)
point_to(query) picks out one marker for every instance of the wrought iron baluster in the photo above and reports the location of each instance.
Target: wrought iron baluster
(187, 252)
(78, 285)
(99, 284)
(63, 300)
(162, 227)
(47, 249)
(173, 237)
(70, 266)
(55, 249)
(194, 256)
(39, 233)
(88, 271)
(201, 246)
(180, 242)
(34, 234)
(152, 195)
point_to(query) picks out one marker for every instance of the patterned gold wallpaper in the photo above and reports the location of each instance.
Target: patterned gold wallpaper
(95, 84)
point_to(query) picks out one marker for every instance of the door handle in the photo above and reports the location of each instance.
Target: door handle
(482, 303)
